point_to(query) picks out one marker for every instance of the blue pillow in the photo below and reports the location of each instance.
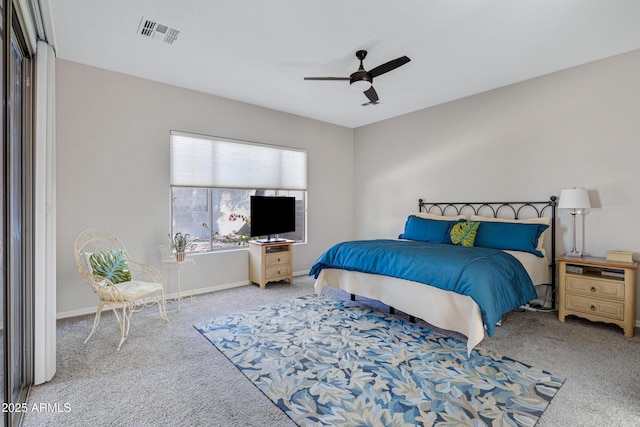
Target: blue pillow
(428, 230)
(510, 236)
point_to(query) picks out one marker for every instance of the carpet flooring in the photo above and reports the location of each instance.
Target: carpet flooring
(166, 374)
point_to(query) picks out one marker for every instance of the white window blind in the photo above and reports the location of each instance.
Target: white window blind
(203, 161)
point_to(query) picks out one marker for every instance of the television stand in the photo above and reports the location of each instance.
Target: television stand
(270, 261)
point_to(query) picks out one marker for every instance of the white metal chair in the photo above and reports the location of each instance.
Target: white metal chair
(143, 287)
(169, 260)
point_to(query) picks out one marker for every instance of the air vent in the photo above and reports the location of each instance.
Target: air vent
(157, 31)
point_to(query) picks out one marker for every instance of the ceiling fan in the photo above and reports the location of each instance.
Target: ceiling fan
(363, 79)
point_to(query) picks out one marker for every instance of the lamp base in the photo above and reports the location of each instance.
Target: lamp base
(574, 253)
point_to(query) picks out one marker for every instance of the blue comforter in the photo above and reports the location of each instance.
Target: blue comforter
(495, 280)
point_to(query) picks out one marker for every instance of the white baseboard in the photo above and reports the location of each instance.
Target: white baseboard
(92, 310)
(301, 273)
(221, 287)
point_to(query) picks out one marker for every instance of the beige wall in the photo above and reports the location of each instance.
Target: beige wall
(113, 171)
(579, 127)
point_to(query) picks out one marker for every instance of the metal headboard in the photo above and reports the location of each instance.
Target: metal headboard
(514, 210)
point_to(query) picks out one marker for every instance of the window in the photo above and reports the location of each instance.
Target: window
(212, 180)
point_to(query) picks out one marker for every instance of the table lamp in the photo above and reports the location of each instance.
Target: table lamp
(575, 199)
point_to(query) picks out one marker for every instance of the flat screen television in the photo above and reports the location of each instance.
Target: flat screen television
(271, 215)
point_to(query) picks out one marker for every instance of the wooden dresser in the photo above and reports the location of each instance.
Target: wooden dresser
(598, 290)
(270, 262)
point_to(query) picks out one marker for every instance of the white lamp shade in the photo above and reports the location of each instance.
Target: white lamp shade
(574, 198)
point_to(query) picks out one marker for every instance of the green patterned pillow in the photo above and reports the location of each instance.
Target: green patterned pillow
(464, 233)
(111, 264)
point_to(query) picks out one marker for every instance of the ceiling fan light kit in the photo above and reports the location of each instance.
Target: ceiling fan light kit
(360, 85)
(363, 80)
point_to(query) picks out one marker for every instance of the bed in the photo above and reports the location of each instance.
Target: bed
(419, 273)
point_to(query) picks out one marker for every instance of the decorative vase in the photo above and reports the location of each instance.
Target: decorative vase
(180, 256)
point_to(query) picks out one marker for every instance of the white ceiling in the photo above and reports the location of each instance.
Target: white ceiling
(258, 51)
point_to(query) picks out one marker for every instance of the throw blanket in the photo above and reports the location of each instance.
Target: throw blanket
(495, 280)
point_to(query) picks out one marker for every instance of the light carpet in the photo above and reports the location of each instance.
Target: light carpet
(333, 362)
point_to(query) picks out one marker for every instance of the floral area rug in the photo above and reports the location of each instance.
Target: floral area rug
(331, 362)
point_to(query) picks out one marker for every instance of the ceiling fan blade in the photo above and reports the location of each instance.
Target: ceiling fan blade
(372, 95)
(326, 78)
(388, 66)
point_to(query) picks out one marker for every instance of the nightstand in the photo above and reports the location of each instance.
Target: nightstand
(598, 290)
(270, 261)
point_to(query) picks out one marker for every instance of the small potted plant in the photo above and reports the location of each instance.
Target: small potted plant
(180, 242)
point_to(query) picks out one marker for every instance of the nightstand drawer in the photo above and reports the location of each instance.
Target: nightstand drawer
(277, 258)
(596, 307)
(600, 288)
(277, 271)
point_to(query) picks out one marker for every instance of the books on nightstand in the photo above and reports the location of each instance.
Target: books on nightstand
(620, 256)
(613, 273)
(575, 269)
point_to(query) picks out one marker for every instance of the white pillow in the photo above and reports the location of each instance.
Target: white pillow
(542, 220)
(438, 217)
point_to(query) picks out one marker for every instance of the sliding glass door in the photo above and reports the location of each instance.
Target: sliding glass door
(16, 215)
(3, 228)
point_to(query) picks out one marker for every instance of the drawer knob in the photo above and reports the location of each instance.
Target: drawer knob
(278, 259)
(592, 307)
(593, 289)
(278, 271)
